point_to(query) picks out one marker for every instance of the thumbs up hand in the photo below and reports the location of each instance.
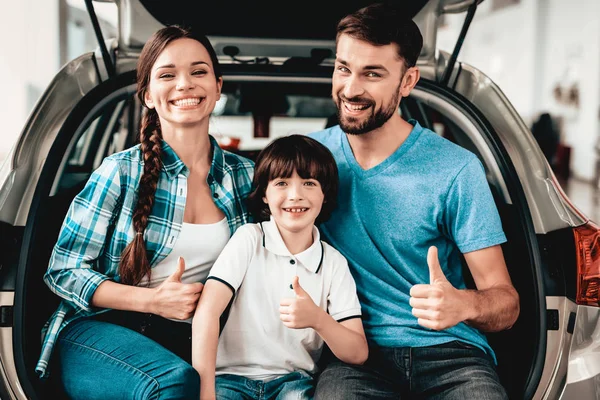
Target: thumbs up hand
(301, 311)
(174, 299)
(179, 270)
(437, 305)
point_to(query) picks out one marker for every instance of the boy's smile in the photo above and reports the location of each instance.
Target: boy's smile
(295, 204)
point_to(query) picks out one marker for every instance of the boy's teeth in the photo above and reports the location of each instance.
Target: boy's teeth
(295, 210)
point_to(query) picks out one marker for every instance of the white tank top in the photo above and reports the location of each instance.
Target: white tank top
(199, 245)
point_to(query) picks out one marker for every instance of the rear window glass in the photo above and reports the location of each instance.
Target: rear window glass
(284, 19)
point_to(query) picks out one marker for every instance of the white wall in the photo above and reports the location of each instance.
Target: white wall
(30, 54)
(526, 49)
(500, 44)
(572, 42)
(29, 44)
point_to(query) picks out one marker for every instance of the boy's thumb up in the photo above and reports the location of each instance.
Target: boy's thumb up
(176, 275)
(297, 288)
(436, 275)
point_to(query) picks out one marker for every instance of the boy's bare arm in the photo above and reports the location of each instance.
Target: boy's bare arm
(346, 339)
(205, 333)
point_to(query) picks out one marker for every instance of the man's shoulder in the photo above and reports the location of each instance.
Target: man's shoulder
(439, 149)
(432, 137)
(328, 136)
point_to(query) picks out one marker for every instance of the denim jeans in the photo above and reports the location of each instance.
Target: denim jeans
(297, 385)
(101, 360)
(450, 371)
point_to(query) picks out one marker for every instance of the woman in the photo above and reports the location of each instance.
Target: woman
(122, 329)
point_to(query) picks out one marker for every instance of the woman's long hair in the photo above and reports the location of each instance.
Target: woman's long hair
(134, 264)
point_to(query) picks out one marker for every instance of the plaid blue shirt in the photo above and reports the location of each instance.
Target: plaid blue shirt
(98, 226)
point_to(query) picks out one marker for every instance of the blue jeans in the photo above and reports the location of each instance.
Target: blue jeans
(297, 385)
(101, 360)
(450, 371)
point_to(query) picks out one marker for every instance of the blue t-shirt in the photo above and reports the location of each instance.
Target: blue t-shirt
(429, 192)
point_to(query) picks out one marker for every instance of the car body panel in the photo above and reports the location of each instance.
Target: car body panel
(8, 371)
(549, 206)
(553, 377)
(69, 86)
(582, 378)
(584, 358)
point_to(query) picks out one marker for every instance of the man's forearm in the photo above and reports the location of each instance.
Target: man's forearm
(494, 309)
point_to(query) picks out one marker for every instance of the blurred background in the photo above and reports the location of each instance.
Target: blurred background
(544, 54)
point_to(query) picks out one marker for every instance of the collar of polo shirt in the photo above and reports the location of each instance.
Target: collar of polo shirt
(310, 258)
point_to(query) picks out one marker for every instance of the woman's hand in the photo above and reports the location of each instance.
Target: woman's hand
(174, 299)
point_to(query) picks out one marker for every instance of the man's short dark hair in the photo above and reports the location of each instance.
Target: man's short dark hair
(381, 24)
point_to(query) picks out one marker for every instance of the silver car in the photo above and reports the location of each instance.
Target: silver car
(277, 73)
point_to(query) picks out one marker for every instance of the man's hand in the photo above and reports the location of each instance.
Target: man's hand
(174, 299)
(301, 311)
(438, 305)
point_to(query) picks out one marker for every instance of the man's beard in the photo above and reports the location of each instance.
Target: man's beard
(376, 120)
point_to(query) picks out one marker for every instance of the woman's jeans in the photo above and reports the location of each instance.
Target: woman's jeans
(297, 385)
(103, 360)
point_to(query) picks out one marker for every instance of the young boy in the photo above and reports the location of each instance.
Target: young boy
(290, 293)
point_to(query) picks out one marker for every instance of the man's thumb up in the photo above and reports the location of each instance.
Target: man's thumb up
(176, 275)
(436, 275)
(297, 288)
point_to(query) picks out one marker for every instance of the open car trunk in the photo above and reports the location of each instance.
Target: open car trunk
(105, 121)
(102, 117)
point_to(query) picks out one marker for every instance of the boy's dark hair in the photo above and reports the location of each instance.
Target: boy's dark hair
(381, 24)
(300, 153)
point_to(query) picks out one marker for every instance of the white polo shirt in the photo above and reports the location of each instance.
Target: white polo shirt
(258, 268)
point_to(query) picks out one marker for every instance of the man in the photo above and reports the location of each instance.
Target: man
(410, 203)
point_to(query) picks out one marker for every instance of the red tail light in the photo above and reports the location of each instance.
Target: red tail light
(587, 245)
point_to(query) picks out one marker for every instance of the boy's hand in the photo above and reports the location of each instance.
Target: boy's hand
(300, 312)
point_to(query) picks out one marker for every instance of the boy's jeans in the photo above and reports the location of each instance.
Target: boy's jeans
(297, 385)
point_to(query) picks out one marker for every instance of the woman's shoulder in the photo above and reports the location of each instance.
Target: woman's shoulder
(237, 161)
(125, 162)
(129, 155)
